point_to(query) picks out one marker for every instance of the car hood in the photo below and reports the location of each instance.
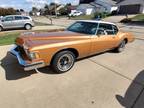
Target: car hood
(36, 39)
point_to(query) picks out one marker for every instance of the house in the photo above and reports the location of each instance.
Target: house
(108, 6)
(87, 9)
(131, 6)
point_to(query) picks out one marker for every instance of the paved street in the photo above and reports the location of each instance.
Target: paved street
(108, 80)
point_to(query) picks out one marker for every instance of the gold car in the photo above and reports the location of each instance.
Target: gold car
(60, 49)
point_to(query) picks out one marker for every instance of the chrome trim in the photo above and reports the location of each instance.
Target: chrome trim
(17, 54)
(22, 62)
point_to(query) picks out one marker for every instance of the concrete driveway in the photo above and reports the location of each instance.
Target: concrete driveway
(108, 80)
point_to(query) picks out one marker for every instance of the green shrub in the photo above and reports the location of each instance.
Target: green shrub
(102, 15)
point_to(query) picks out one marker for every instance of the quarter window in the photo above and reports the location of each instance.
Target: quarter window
(26, 18)
(115, 29)
(106, 27)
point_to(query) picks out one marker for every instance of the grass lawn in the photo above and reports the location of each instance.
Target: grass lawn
(139, 17)
(83, 17)
(8, 38)
(42, 24)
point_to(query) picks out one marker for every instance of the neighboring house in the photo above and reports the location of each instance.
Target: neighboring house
(36, 13)
(107, 5)
(87, 9)
(71, 8)
(59, 7)
(131, 6)
(24, 13)
(98, 6)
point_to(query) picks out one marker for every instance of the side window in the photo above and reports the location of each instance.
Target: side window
(115, 29)
(18, 18)
(26, 18)
(107, 28)
(10, 18)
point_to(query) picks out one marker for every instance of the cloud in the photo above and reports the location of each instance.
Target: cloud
(37, 3)
(6, 5)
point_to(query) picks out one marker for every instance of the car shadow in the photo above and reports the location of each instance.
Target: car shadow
(13, 71)
(134, 96)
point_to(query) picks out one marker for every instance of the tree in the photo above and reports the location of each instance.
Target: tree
(7, 11)
(63, 11)
(21, 10)
(68, 4)
(34, 9)
(46, 10)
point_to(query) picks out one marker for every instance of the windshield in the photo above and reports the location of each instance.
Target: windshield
(83, 27)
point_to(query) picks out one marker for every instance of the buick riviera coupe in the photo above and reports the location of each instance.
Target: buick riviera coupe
(60, 49)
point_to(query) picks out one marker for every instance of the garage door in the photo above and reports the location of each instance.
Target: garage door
(129, 9)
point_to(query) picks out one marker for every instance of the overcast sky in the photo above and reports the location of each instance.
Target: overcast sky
(27, 4)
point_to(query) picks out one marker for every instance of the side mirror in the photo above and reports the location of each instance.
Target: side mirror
(2, 20)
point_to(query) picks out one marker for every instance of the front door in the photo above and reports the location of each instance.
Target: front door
(18, 22)
(7, 22)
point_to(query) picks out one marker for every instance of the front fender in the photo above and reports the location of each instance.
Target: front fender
(1, 25)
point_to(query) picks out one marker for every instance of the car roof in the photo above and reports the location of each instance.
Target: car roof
(95, 21)
(17, 15)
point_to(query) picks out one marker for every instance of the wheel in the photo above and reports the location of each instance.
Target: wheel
(63, 61)
(121, 47)
(28, 27)
(1, 28)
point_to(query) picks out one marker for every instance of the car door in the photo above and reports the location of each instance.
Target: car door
(7, 22)
(18, 22)
(106, 38)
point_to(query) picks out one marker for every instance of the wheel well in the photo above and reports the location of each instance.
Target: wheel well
(27, 24)
(126, 40)
(1, 26)
(74, 51)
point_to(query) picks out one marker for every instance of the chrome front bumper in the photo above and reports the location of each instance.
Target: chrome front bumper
(27, 66)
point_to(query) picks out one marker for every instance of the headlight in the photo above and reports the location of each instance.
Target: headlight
(32, 55)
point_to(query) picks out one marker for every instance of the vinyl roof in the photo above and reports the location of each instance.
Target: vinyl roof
(95, 21)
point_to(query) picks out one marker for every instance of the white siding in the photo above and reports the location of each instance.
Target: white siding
(108, 7)
(142, 9)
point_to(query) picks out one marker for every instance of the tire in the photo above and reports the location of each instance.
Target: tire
(28, 27)
(63, 61)
(1, 28)
(121, 47)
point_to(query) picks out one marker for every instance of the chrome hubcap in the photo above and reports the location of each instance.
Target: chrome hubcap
(28, 27)
(65, 62)
(122, 46)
